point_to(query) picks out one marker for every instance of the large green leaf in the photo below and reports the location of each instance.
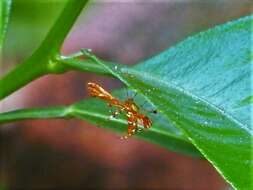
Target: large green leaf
(203, 87)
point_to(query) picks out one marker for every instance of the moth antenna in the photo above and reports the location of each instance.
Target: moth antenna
(127, 95)
(141, 106)
(151, 111)
(135, 94)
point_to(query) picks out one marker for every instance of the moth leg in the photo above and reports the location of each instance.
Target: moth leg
(145, 121)
(114, 113)
(132, 127)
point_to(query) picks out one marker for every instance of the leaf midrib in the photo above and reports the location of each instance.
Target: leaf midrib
(104, 117)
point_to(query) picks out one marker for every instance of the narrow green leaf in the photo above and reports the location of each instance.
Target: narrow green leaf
(198, 86)
(34, 113)
(81, 65)
(162, 132)
(5, 6)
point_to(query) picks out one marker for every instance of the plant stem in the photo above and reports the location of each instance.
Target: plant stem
(57, 34)
(20, 76)
(42, 61)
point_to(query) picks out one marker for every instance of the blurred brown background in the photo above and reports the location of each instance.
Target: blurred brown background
(73, 153)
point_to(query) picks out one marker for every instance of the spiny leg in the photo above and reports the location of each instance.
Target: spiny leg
(114, 114)
(146, 121)
(132, 126)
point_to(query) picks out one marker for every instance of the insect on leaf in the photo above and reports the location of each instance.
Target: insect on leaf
(203, 86)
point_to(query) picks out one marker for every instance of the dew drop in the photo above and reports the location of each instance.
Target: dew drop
(197, 101)
(115, 67)
(247, 161)
(222, 111)
(88, 50)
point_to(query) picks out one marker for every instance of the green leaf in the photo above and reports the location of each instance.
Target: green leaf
(203, 87)
(4, 18)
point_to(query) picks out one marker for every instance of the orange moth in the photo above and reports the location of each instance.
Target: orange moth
(128, 107)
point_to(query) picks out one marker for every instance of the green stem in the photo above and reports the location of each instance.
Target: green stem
(42, 61)
(20, 76)
(61, 28)
(35, 113)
